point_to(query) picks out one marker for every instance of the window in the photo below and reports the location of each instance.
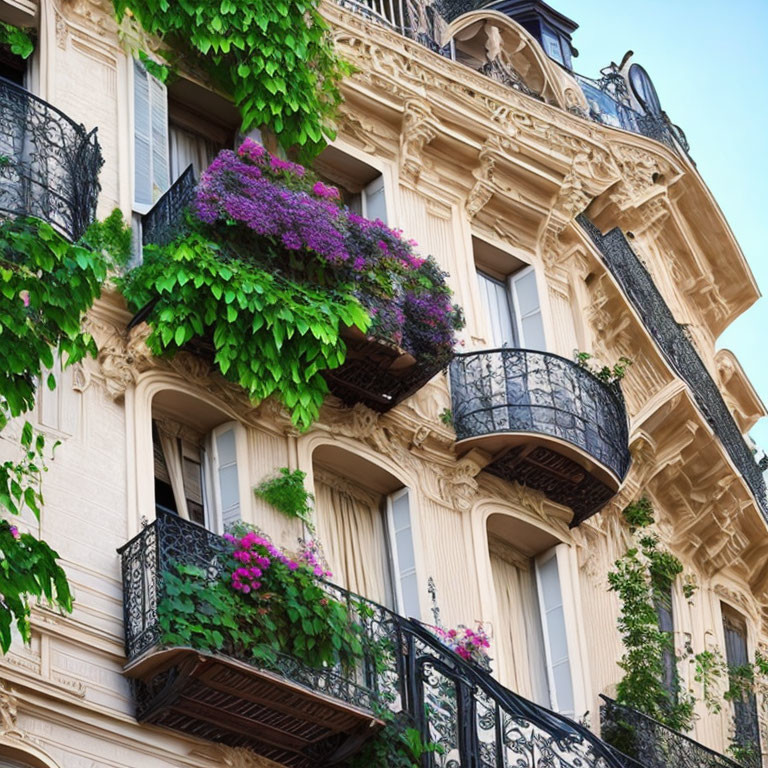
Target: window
(663, 604)
(196, 474)
(554, 631)
(175, 127)
(513, 309)
(361, 185)
(402, 555)
(744, 708)
(150, 139)
(12, 67)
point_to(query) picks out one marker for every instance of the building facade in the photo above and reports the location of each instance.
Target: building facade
(569, 216)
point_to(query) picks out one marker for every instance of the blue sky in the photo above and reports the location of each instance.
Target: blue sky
(708, 61)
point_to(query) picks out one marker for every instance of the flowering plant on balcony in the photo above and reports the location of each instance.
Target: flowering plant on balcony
(272, 270)
(265, 604)
(471, 644)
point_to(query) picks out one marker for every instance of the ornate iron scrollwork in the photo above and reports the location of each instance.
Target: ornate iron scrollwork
(165, 220)
(647, 743)
(406, 668)
(49, 165)
(672, 340)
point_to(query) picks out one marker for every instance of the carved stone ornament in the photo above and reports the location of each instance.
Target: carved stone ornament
(8, 711)
(419, 128)
(240, 757)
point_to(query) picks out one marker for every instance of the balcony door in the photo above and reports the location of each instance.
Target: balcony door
(513, 309)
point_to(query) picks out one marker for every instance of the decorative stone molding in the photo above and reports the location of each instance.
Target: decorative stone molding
(419, 128)
(483, 188)
(504, 551)
(240, 757)
(9, 708)
(347, 486)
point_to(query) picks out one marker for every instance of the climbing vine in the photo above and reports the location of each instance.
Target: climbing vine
(607, 374)
(642, 579)
(47, 284)
(28, 566)
(275, 60)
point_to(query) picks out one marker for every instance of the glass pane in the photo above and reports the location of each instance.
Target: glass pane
(550, 584)
(375, 202)
(405, 556)
(533, 332)
(229, 491)
(526, 293)
(561, 673)
(558, 642)
(225, 445)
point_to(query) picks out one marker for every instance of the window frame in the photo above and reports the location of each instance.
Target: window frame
(393, 554)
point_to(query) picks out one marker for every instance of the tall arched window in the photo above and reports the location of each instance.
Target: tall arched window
(364, 521)
(196, 468)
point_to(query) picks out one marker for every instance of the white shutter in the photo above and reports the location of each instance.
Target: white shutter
(525, 297)
(150, 138)
(403, 554)
(494, 295)
(226, 482)
(555, 636)
(374, 201)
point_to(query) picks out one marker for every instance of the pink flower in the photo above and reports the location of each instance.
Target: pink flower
(24, 296)
(14, 531)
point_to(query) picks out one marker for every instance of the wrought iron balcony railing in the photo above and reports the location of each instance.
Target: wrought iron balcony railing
(651, 744)
(49, 165)
(553, 424)
(165, 220)
(283, 712)
(676, 347)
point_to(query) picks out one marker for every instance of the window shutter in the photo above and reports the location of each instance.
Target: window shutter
(555, 637)
(525, 296)
(160, 165)
(493, 294)
(402, 553)
(225, 477)
(150, 137)
(374, 202)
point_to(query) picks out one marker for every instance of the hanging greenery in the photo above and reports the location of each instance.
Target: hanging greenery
(28, 566)
(270, 271)
(275, 60)
(286, 492)
(47, 284)
(18, 40)
(607, 374)
(642, 579)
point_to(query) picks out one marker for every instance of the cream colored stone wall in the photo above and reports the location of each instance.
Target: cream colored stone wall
(461, 156)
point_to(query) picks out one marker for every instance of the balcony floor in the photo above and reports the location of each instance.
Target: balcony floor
(220, 699)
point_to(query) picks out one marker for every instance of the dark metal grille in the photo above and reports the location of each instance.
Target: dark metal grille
(519, 390)
(609, 104)
(171, 539)
(650, 744)
(49, 165)
(456, 704)
(678, 350)
(165, 220)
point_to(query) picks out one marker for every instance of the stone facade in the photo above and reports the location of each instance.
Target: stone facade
(461, 157)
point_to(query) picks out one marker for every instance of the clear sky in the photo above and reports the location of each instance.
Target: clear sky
(708, 60)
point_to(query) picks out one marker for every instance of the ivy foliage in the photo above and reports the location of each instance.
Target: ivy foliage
(18, 40)
(28, 566)
(291, 615)
(642, 579)
(607, 374)
(275, 60)
(268, 333)
(286, 493)
(47, 284)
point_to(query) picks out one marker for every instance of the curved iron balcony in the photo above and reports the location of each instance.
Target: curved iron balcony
(312, 718)
(546, 422)
(49, 165)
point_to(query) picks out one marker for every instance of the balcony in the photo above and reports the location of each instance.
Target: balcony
(285, 711)
(678, 350)
(312, 718)
(607, 96)
(545, 422)
(49, 165)
(376, 372)
(647, 743)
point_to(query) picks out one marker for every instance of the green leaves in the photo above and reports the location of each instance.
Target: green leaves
(270, 334)
(286, 492)
(46, 284)
(276, 60)
(17, 40)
